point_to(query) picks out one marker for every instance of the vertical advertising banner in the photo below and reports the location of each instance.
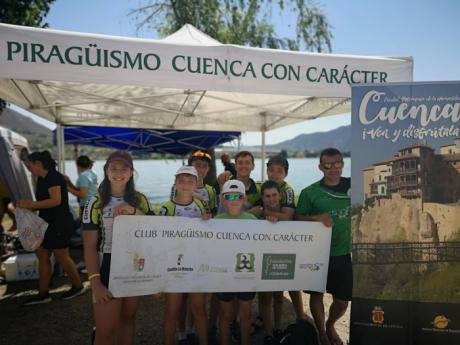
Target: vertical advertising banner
(406, 214)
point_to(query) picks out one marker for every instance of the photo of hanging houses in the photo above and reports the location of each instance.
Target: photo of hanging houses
(416, 172)
(406, 234)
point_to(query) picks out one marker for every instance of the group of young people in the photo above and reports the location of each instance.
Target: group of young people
(240, 197)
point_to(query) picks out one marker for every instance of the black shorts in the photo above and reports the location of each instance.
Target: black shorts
(339, 278)
(57, 236)
(230, 296)
(105, 269)
(6, 202)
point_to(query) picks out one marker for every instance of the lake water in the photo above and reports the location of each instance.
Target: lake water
(155, 177)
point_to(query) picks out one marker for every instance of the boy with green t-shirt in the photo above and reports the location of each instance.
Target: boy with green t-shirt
(328, 201)
(233, 197)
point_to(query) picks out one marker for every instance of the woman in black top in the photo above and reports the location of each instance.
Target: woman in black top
(53, 206)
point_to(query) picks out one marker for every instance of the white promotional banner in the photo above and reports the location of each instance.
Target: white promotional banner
(44, 54)
(178, 254)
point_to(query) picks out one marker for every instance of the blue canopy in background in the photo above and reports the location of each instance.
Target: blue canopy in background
(178, 142)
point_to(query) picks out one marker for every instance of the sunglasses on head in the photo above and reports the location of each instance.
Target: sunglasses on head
(202, 154)
(337, 165)
(233, 196)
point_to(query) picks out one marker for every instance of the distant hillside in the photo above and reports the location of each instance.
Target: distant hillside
(39, 136)
(22, 124)
(315, 142)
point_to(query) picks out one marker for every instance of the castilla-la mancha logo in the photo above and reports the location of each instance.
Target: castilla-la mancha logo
(377, 315)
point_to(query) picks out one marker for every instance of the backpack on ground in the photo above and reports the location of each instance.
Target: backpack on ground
(300, 333)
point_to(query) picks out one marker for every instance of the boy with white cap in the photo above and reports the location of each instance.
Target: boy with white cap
(233, 197)
(184, 204)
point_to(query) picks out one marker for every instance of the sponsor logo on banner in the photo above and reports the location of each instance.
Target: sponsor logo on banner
(440, 322)
(312, 267)
(377, 315)
(211, 269)
(139, 262)
(278, 266)
(180, 267)
(245, 262)
(377, 318)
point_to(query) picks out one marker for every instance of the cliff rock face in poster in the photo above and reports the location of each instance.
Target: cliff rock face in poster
(406, 214)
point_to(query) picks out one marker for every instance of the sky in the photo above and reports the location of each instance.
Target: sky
(424, 29)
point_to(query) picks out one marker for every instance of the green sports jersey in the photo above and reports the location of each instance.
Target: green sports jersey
(252, 194)
(194, 209)
(244, 215)
(97, 219)
(318, 199)
(287, 195)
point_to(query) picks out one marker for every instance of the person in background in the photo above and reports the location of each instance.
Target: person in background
(227, 163)
(6, 207)
(328, 201)
(244, 166)
(86, 185)
(53, 206)
(115, 317)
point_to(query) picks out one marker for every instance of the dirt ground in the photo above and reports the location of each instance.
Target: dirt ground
(70, 322)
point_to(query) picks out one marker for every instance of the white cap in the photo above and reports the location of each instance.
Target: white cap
(234, 186)
(187, 170)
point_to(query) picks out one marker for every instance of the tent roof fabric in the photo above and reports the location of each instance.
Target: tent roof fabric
(16, 139)
(185, 81)
(146, 140)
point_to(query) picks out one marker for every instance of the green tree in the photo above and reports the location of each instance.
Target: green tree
(23, 12)
(242, 22)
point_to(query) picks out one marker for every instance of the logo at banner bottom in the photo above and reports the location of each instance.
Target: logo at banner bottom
(139, 262)
(377, 315)
(440, 322)
(245, 262)
(278, 266)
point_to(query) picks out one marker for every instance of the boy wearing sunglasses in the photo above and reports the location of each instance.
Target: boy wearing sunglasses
(233, 197)
(328, 201)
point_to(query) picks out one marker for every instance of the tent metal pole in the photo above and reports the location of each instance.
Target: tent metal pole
(60, 145)
(264, 130)
(262, 173)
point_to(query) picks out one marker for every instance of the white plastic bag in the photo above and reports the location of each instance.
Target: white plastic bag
(31, 228)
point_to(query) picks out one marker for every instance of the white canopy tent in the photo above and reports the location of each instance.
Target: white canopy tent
(185, 81)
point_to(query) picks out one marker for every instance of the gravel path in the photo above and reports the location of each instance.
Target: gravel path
(70, 322)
